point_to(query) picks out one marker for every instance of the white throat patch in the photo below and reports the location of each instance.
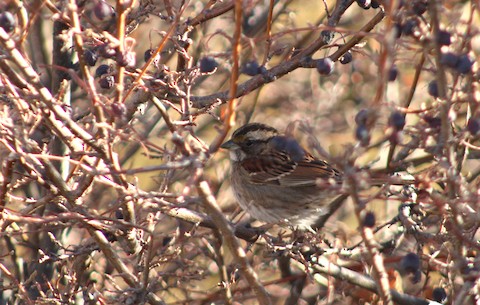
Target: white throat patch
(237, 155)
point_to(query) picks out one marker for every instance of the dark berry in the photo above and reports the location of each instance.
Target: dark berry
(362, 117)
(433, 121)
(410, 263)
(369, 220)
(208, 64)
(166, 240)
(119, 109)
(375, 4)
(118, 214)
(110, 236)
(444, 38)
(251, 68)
(365, 4)
(103, 10)
(420, 7)
(7, 21)
(90, 57)
(473, 126)
(433, 89)
(148, 54)
(101, 70)
(439, 295)
(449, 59)
(392, 73)
(397, 120)
(325, 66)
(346, 58)
(464, 64)
(327, 36)
(107, 82)
(408, 28)
(362, 135)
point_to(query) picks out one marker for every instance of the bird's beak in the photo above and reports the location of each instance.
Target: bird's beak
(228, 145)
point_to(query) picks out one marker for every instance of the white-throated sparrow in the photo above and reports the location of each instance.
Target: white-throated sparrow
(275, 180)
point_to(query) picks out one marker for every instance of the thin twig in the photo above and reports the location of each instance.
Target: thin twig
(232, 242)
(376, 259)
(122, 8)
(229, 116)
(283, 68)
(324, 266)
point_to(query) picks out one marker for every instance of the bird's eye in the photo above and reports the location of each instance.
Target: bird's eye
(248, 143)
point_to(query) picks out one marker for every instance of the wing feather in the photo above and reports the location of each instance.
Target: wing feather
(279, 169)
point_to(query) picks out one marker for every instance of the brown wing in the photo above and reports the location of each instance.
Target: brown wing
(280, 169)
(306, 173)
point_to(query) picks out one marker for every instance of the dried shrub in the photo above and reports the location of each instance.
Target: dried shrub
(113, 189)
